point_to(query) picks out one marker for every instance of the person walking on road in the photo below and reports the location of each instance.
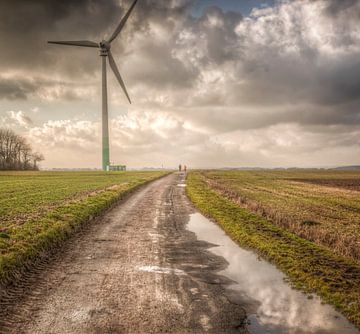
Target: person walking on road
(185, 168)
(180, 168)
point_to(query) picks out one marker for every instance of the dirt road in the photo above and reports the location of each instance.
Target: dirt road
(136, 270)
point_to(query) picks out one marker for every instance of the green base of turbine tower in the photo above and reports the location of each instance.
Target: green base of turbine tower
(105, 159)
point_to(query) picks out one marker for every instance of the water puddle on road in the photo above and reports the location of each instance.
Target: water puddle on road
(271, 304)
(161, 270)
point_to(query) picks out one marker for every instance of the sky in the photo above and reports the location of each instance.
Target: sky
(213, 83)
(243, 6)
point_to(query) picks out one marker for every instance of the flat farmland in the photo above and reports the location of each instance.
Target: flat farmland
(305, 222)
(40, 209)
(321, 206)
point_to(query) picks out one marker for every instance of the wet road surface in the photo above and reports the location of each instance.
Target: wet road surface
(136, 270)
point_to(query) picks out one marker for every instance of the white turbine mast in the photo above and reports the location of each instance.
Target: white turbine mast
(105, 52)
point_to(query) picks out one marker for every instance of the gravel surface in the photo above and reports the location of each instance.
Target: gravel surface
(135, 270)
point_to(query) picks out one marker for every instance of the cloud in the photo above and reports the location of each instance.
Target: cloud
(334, 8)
(283, 145)
(15, 88)
(78, 135)
(277, 80)
(15, 119)
(156, 135)
(167, 140)
(21, 118)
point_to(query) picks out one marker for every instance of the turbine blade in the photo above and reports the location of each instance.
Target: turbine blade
(117, 74)
(88, 44)
(122, 22)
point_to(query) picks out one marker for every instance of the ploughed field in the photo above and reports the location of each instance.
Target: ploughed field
(38, 210)
(306, 222)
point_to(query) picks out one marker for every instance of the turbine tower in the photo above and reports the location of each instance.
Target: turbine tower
(105, 52)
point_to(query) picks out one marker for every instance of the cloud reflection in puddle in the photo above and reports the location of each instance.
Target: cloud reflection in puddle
(272, 305)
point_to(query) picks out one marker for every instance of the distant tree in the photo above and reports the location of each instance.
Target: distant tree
(16, 153)
(36, 158)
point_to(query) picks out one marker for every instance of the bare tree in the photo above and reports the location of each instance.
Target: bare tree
(16, 153)
(36, 158)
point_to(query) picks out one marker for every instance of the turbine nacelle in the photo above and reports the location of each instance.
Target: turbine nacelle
(105, 45)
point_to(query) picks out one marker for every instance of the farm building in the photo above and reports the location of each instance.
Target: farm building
(116, 168)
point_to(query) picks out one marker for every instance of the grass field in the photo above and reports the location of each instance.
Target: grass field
(305, 222)
(323, 207)
(40, 209)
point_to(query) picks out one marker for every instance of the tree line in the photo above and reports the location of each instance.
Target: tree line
(16, 153)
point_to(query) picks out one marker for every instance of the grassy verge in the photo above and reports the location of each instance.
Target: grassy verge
(311, 267)
(23, 241)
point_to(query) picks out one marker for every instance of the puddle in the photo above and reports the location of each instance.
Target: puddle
(79, 315)
(205, 322)
(271, 304)
(161, 270)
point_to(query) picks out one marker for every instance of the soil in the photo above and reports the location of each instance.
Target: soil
(348, 184)
(135, 270)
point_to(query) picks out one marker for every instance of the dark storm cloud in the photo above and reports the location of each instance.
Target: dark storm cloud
(335, 7)
(26, 25)
(341, 84)
(20, 88)
(219, 31)
(30, 67)
(16, 89)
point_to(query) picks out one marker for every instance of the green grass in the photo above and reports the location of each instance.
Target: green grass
(39, 210)
(310, 266)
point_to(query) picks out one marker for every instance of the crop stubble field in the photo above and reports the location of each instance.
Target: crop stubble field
(41, 209)
(323, 207)
(306, 222)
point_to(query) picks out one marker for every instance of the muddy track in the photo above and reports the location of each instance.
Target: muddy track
(137, 270)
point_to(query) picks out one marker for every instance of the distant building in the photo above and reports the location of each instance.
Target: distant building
(116, 168)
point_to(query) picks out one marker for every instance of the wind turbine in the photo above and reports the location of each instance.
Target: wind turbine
(105, 46)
